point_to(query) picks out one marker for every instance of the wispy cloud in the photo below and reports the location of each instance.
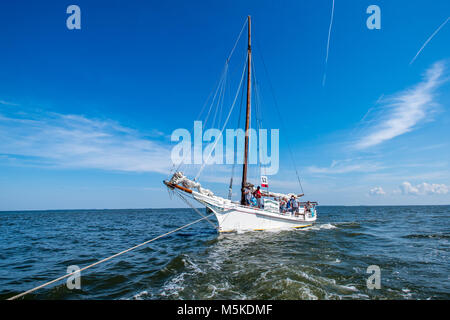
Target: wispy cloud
(74, 141)
(429, 39)
(328, 44)
(346, 166)
(7, 103)
(424, 188)
(403, 111)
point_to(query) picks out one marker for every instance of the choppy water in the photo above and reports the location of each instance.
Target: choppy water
(327, 261)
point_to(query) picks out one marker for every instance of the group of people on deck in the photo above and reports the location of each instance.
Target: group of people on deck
(253, 198)
(292, 205)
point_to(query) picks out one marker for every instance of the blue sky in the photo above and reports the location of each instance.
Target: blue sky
(86, 115)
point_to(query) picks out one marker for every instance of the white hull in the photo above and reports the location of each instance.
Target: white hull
(234, 217)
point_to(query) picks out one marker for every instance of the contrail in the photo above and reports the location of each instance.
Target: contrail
(429, 39)
(328, 44)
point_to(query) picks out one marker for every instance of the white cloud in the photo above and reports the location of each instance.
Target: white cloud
(73, 141)
(405, 110)
(377, 191)
(424, 188)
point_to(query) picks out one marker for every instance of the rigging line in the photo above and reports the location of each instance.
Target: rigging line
(261, 149)
(106, 259)
(235, 43)
(258, 116)
(223, 76)
(219, 102)
(219, 87)
(258, 112)
(210, 94)
(237, 40)
(225, 70)
(205, 104)
(226, 121)
(258, 124)
(225, 90)
(279, 114)
(230, 189)
(196, 210)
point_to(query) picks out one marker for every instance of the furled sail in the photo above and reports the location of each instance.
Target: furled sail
(180, 178)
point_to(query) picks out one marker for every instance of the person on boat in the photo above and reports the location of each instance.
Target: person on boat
(311, 209)
(282, 205)
(257, 195)
(293, 203)
(308, 207)
(286, 205)
(248, 196)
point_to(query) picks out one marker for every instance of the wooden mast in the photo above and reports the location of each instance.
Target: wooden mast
(247, 119)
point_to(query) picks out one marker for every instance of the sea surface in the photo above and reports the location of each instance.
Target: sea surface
(410, 245)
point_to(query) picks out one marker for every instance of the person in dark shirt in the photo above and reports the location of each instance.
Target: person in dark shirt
(293, 203)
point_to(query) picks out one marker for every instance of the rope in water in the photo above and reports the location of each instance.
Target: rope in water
(106, 259)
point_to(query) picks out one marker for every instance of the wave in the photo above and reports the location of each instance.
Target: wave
(326, 226)
(427, 236)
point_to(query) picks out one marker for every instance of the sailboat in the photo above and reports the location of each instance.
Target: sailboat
(232, 216)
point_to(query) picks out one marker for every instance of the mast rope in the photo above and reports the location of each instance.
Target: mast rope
(279, 115)
(172, 171)
(237, 40)
(230, 189)
(258, 120)
(219, 102)
(216, 87)
(219, 86)
(224, 125)
(109, 258)
(219, 89)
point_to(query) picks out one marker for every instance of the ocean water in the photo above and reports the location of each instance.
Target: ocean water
(329, 260)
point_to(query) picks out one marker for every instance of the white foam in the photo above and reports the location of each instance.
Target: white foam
(326, 226)
(140, 295)
(348, 287)
(188, 263)
(172, 287)
(407, 292)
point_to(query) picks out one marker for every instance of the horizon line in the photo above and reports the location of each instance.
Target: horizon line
(164, 208)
